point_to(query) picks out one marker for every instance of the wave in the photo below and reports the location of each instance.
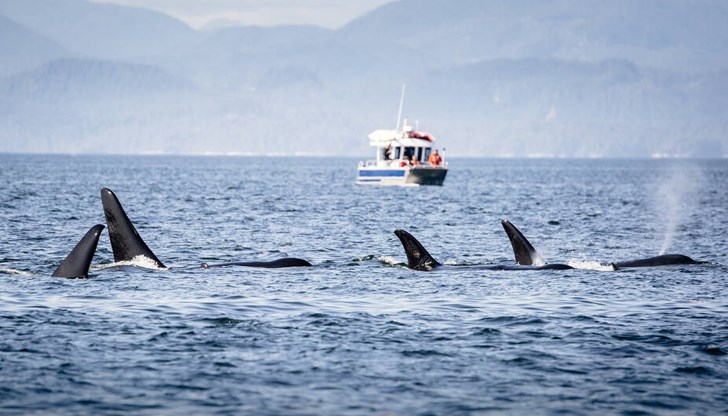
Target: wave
(16, 272)
(138, 261)
(591, 265)
(390, 261)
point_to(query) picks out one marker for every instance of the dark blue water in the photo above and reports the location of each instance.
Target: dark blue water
(359, 333)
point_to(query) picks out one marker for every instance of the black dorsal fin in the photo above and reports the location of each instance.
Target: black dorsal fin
(125, 240)
(78, 261)
(525, 253)
(417, 257)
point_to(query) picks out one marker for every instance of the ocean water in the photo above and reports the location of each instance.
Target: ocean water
(359, 333)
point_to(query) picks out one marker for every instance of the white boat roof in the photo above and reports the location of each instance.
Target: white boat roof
(381, 138)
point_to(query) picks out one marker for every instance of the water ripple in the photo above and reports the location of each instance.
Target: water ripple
(360, 333)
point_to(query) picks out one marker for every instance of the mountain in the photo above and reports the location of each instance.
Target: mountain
(22, 49)
(237, 57)
(674, 34)
(552, 107)
(72, 104)
(99, 30)
(564, 78)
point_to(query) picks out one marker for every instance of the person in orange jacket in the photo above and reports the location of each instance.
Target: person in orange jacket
(435, 158)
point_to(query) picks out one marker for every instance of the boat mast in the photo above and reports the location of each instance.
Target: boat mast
(401, 102)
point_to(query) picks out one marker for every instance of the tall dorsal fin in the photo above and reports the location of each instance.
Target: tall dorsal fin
(417, 257)
(78, 261)
(125, 240)
(524, 252)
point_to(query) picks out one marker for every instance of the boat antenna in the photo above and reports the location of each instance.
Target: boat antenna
(401, 102)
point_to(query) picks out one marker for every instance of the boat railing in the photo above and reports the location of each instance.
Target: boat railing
(394, 163)
(374, 163)
(429, 165)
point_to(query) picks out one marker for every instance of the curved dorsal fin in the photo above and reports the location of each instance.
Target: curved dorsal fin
(417, 257)
(525, 253)
(78, 261)
(125, 240)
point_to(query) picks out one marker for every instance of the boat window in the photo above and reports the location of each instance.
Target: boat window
(409, 152)
(397, 152)
(419, 154)
(427, 153)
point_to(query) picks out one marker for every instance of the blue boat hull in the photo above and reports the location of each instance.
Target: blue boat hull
(420, 175)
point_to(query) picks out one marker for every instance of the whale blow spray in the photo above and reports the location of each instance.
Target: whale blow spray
(676, 198)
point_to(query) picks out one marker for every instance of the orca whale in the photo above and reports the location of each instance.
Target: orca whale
(525, 253)
(78, 261)
(273, 264)
(661, 260)
(418, 258)
(126, 243)
(125, 240)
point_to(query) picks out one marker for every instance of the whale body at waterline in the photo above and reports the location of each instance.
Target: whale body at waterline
(273, 264)
(128, 246)
(526, 254)
(418, 258)
(661, 260)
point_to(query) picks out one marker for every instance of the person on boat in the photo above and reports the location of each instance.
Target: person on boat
(409, 153)
(435, 158)
(388, 152)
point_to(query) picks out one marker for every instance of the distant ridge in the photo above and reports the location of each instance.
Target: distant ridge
(672, 34)
(72, 78)
(97, 29)
(22, 48)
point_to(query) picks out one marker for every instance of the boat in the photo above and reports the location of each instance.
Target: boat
(402, 158)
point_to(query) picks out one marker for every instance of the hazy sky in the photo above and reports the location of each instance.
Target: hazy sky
(198, 13)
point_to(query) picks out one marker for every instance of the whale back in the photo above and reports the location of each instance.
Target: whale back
(125, 240)
(662, 260)
(273, 264)
(78, 261)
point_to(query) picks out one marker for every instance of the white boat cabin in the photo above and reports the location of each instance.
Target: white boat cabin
(403, 157)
